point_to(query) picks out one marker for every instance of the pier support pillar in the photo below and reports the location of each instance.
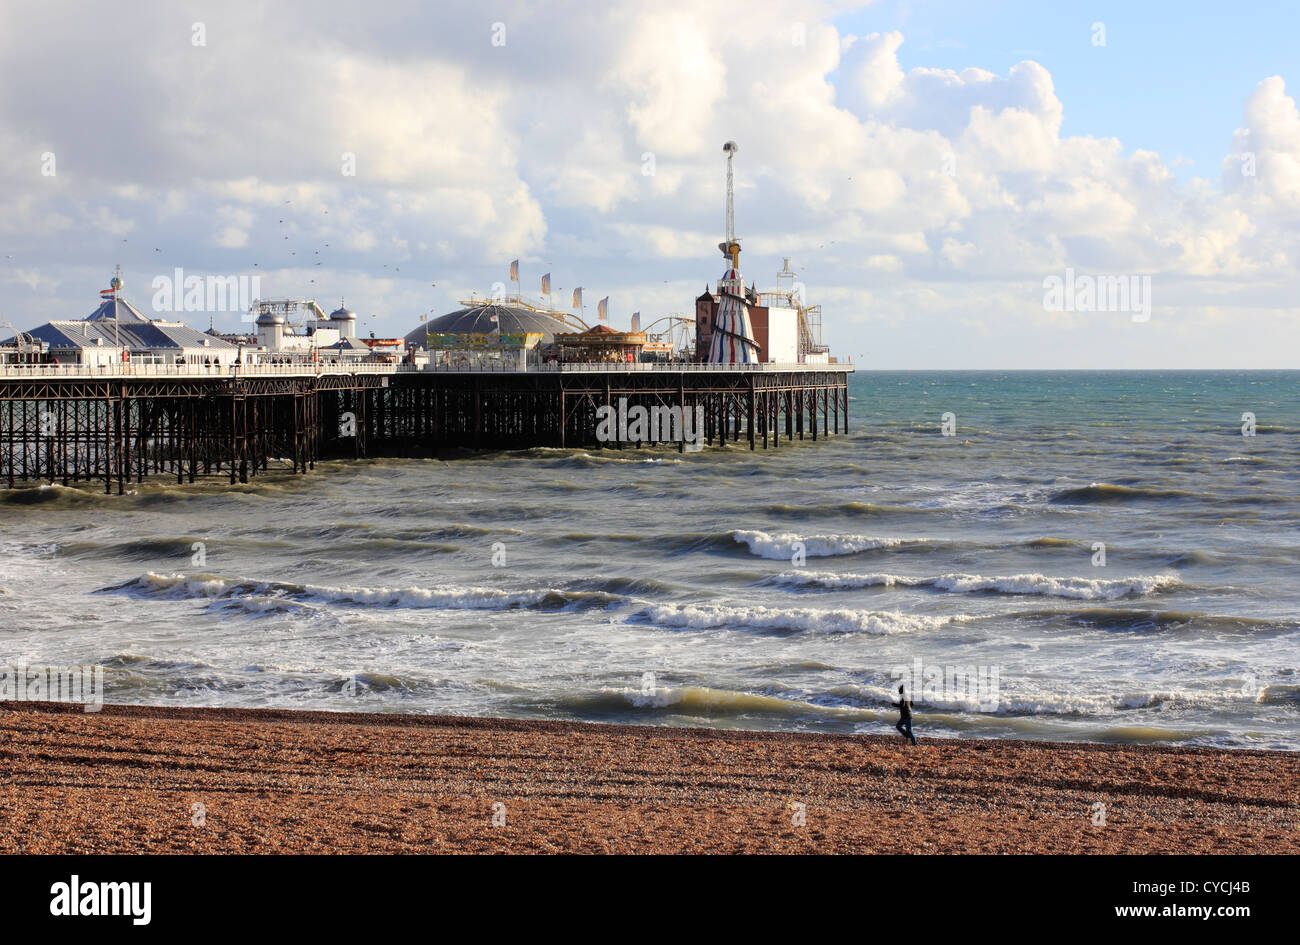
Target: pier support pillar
(750, 412)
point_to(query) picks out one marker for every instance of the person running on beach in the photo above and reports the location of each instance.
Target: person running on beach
(904, 707)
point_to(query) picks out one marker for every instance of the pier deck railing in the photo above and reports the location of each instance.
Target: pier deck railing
(624, 367)
(308, 370)
(197, 370)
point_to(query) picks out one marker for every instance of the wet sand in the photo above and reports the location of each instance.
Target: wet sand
(128, 779)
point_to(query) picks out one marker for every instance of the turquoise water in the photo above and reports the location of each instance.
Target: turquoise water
(784, 589)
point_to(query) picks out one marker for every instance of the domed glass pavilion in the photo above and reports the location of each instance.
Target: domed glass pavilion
(487, 333)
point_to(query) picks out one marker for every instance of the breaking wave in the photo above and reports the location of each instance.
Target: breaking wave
(1104, 492)
(712, 702)
(276, 596)
(1040, 584)
(780, 546)
(1138, 621)
(55, 496)
(840, 509)
(787, 620)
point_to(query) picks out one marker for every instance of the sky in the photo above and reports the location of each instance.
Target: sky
(936, 171)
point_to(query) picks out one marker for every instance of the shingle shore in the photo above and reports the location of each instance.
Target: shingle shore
(131, 779)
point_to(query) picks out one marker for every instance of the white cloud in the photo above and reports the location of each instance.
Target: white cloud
(922, 199)
(1265, 158)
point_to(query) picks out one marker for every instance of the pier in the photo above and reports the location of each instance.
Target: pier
(123, 423)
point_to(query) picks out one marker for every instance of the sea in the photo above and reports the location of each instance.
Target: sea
(1076, 556)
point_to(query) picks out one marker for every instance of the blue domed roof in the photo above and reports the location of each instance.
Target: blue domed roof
(477, 319)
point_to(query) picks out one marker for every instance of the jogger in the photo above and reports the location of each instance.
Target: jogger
(904, 723)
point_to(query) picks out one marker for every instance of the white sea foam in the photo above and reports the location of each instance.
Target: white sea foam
(200, 586)
(1106, 704)
(1073, 588)
(812, 620)
(644, 461)
(869, 700)
(1034, 702)
(885, 696)
(779, 546)
(267, 606)
(1069, 587)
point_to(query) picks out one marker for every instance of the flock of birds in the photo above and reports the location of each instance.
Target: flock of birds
(556, 290)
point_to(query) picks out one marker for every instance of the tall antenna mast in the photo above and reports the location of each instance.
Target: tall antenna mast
(730, 247)
(730, 148)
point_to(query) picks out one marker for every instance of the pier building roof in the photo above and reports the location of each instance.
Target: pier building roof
(347, 346)
(133, 335)
(117, 308)
(117, 324)
(489, 318)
